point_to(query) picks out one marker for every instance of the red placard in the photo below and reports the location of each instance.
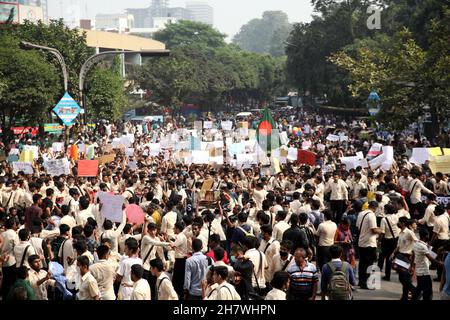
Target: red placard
(87, 168)
(306, 157)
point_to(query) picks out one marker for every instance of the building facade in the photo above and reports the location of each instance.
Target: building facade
(201, 12)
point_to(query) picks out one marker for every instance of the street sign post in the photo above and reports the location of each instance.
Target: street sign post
(67, 109)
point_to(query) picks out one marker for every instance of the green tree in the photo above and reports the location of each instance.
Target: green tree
(106, 94)
(70, 42)
(265, 35)
(384, 69)
(31, 85)
(187, 32)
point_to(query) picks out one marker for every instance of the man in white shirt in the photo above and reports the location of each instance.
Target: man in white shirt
(368, 231)
(280, 226)
(124, 274)
(225, 291)
(10, 240)
(339, 196)
(141, 288)
(416, 188)
(281, 260)
(88, 286)
(259, 195)
(168, 221)
(104, 272)
(39, 279)
(24, 249)
(269, 247)
(259, 263)
(164, 287)
(325, 234)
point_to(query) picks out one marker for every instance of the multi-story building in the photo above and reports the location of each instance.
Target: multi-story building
(20, 10)
(201, 12)
(114, 22)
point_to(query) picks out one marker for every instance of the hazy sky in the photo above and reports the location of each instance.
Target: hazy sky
(229, 15)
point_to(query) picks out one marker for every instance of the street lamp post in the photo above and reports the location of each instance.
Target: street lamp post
(28, 46)
(91, 61)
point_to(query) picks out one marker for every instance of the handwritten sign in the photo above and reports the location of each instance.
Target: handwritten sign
(111, 206)
(57, 167)
(25, 167)
(106, 158)
(306, 157)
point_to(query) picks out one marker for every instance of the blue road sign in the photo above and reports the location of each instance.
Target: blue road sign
(67, 109)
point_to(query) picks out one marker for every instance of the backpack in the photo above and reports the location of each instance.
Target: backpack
(339, 287)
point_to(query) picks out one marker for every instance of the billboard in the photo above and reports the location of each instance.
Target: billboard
(31, 13)
(9, 9)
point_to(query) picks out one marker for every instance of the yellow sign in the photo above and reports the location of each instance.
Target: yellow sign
(106, 159)
(276, 165)
(26, 156)
(440, 164)
(435, 151)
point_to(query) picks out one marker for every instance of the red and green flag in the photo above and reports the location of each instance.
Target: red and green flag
(267, 134)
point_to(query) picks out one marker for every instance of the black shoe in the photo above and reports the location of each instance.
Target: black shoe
(364, 287)
(386, 279)
(437, 279)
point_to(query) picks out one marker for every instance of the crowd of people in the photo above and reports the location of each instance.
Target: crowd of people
(303, 233)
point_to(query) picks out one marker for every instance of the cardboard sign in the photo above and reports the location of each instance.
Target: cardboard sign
(87, 168)
(106, 158)
(26, 156)
(440, 164)
(58, 146)
(200, 157)
(306, 157)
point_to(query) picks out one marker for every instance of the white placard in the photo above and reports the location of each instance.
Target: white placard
(292, 154)
(333, 138)
(57, 167)
(111, 206)
(34, 149)
(227, 125)
(284, 138)
(25, 167)
(419, 156)
(207, 125)
(200, 157)
(58, 146)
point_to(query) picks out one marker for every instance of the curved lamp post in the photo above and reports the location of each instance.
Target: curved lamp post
(91, 61)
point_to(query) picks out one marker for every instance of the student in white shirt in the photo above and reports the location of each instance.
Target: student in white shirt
(225, 291)
(164, 287)
(141, 288)
(280, 284)
(280, 226)
(124, 274)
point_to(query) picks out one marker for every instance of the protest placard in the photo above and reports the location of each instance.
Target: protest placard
(87, 168)
(132, 165)
(26, 156)
(57, 167)
(106, 158)
(200, 157)
(419, 156)
(207, 125)
(58, 146)
(25, 167)
(33, 149)
(440, 164)
(321, 147)
(435, 151)
(227, 125)
(111, 206)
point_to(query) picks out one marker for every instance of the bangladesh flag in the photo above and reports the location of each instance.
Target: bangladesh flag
(267, 134)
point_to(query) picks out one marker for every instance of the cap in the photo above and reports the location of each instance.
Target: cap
(380, 193)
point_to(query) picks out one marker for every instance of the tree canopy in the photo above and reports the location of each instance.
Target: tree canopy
(266, 35)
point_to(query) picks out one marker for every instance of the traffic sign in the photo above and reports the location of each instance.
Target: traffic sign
(67, 109)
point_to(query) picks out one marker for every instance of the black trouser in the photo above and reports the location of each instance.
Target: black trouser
(425, 286)
(178, 276)
(191, 297)
(337, 208)
(367, 257)
(323, 256)
(387, 248)
(436, 245)
(9, 277)
(406, 280)
(296, 295)
(151, 279)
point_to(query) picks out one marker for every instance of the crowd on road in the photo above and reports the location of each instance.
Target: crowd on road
(275, 228)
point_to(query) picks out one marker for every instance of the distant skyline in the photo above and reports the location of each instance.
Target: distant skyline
(229, 15)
